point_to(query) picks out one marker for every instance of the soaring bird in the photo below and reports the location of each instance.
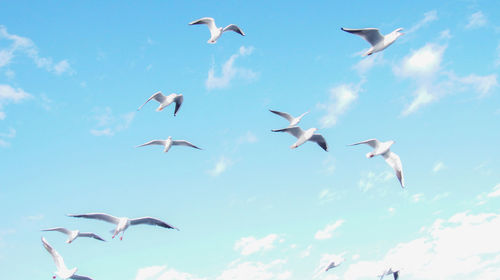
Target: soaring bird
(122, 223)
(378, 41)
(383, 148)
(166, 100)
(168, 143)
(389, 272)
(304, 136)
(216, 32)
(293, 121)
(73, 234)
(333, 264)
(62, 271)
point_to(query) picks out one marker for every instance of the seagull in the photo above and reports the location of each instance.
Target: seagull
(216, 32)
(166, 100)
(62, 271)
(168, 143)
(383, 148)
(378, 41)
(332, 265)
(293, 121)
(389, 272)
(122, 223)
(304, 136)
(73, 234)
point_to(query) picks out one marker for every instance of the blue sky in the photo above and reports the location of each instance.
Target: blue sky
(73, 74)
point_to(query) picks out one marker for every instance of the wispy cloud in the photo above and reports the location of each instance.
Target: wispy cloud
(220, 166)
(108, 124)
(327, 232)
(6, 135)
(24, 45)
(495, 192)
(8, 95)
(368, 180)
(429, 16)
(476, 20)
(250, 245)
(162, 273)
(438, 166)
(230, 72)
(256, 271)
(340, 99)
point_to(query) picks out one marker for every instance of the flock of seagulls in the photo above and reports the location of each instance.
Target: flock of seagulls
(378, 43)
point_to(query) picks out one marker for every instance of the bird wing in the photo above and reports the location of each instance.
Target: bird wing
(295, 131)
(184, 143)
(153, 142)
(91, 235)
(178, 102)
(234, 28)
(287, 116)
(395, 162)
(151, 221)
(157, 96)
(59, 229)
(396, 275)
(374, 143)
(372, 35)
(78, 277)
(98, 216)
(330, 266)
(210, 22)
(320, 140)
(55, 255)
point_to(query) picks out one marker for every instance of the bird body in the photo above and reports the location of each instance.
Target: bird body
(304, 136)
(73, 234)
(168, 143)
(377, 41)
(216, 32)
(383, 148)
(166, 100)
(62, 271)
(292, 120)
(122, 223)
(389, 271)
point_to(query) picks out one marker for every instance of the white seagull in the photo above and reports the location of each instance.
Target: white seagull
(389, 272)
(166, 100)
(122, 223)
(378, 41)
(216, 32)
(304, 136)
(73, 234)
(293, 121)
(168, 143)
(333, 264)
(383, 148)
(62, 271)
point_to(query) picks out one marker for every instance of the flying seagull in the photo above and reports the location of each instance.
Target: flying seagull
(122, 223)
(73, 234)
(383, 148)
(216, 32)
(389, 272)
(166, 100)
(62, 271)
(168, 143)
(304, 136)
(378, 41)
(293, 121)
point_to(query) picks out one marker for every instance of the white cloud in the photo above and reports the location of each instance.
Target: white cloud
(482, 84)
(368, 180)
(417, 197)
(107, 124)
(327, 232)
(256, 271)
(306, 253)
(220, 166)
(477, 19)
(445, 34)
(422, 63)
(248, 137)
(463, 247)
(341, 98)
(495, 192)
(438, 166)
(250, 245)
(162, 273)
(229, 71)
(367, 63)
(26, 46)
(8, 95)
(429, 16)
